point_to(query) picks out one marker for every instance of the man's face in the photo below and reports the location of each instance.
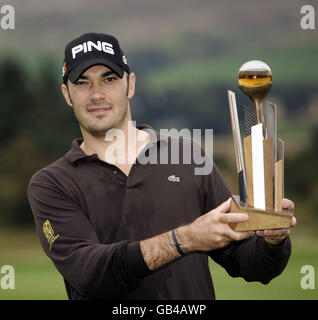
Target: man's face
(100, 99)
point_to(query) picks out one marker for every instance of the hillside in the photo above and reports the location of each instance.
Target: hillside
(210, 39)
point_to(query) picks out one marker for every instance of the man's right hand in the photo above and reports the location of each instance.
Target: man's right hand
(208, 232)
(212, 230)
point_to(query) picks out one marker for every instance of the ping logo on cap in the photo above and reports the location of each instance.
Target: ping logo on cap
(89, 45)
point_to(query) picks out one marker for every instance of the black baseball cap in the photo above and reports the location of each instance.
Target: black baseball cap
(92, 49)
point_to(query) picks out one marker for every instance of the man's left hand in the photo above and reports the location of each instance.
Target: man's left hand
(275, 237)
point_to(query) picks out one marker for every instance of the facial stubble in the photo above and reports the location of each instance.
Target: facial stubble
(103, 130)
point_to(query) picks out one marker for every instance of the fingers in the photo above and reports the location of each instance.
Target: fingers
(273, 233)
(224, 207)
(274, 237)
(288, 204)
(293, 222)
(233, 217)
(237, 236)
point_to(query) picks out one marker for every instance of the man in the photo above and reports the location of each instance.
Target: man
(117, 227)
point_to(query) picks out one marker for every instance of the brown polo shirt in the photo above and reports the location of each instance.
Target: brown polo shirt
(90, 218)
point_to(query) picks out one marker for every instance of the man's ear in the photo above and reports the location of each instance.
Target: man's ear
(66, 95)
(132, 83)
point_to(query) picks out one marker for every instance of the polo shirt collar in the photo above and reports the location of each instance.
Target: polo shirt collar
(76, 153)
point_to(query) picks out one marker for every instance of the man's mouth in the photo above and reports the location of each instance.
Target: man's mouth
(98, 109)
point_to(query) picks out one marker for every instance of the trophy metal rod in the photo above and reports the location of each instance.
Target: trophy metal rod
(259, 114)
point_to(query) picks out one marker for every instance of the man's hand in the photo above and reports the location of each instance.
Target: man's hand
(208, 232)
(275, 237)
(212, 230)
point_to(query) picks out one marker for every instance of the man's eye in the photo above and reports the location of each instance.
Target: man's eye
(110, 79)
(81, 83)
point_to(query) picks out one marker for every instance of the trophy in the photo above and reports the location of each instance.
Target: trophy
(259, 155)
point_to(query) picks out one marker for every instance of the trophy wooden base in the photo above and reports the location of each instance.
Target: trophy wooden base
(260, 219)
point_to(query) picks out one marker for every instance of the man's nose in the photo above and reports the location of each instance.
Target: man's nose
(96, 92)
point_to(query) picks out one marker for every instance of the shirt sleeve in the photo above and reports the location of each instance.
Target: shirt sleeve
(94, 270)
(253, 259)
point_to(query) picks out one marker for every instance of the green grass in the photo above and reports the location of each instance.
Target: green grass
(36, 278)
(284, 287)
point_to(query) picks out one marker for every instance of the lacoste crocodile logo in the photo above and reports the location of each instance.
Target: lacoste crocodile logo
(173, 178)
